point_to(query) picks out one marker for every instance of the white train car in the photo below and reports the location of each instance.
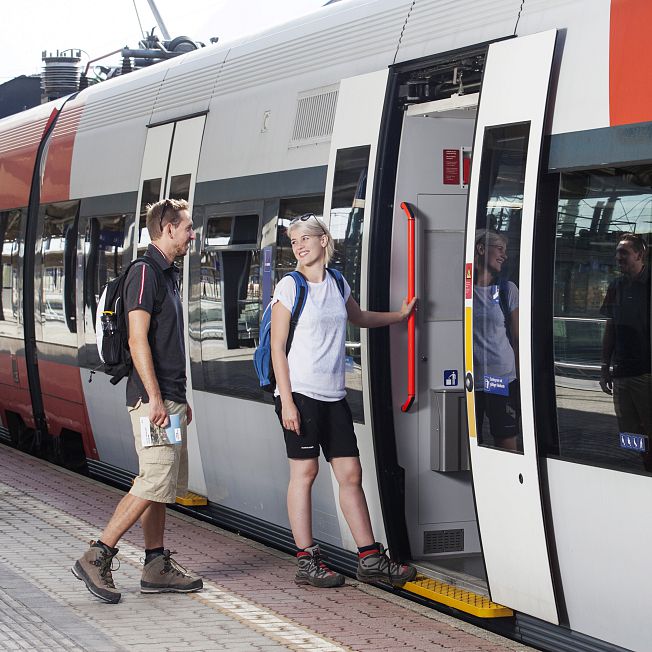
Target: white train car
(349, 113)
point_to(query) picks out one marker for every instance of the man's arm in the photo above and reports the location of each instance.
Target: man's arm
(141, 354)
(608, 344)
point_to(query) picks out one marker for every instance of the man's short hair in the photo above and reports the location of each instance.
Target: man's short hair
(637, 242)
(166, 211)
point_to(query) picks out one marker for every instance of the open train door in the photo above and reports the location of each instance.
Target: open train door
(498, 281)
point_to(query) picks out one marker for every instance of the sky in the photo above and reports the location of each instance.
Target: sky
(98, 28)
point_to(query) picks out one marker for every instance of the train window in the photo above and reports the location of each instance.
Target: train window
(150, 195)
(495, 291)
(346, 226)
(11, 238)
(180, 187)
(230, 303)
(105, 256)
(601, 324)
(58, 273)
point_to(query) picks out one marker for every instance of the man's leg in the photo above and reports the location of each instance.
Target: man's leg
(128, 511)
(153, 522)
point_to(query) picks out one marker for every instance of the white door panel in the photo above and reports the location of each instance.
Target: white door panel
(507, 485)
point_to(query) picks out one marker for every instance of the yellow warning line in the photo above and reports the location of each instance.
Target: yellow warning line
(457, 598)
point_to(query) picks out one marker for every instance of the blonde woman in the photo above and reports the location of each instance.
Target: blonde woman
(310, 400)
(495, 339)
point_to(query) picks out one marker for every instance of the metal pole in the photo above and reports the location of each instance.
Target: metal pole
(159, 20)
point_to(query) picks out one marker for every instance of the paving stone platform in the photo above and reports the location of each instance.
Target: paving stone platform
(250, 602)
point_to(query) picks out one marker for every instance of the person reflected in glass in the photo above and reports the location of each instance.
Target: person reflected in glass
(310, 401)
(495, 341)
(625, 372)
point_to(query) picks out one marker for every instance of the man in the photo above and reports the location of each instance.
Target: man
(156, 388)
(626, 357)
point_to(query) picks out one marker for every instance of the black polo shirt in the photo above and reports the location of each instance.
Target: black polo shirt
(627, 303)
(166, 328)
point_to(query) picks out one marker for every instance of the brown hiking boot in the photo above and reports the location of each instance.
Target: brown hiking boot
(94, 569)
(164, 575)
(378, 567)
(312, 570)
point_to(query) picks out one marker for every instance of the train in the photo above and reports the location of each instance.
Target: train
(407, 125)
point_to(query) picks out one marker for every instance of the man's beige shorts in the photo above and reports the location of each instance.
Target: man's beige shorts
(163, 470)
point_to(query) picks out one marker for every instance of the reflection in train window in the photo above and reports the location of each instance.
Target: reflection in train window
(105, 256)
(180, 187)
(11, 238)
(150, 195)
(346, 226)
(58, 272)
(495, 289)
(229, 304)
(601, 323)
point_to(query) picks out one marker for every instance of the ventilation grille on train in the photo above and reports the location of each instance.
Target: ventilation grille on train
(315, 116)
(436, 541)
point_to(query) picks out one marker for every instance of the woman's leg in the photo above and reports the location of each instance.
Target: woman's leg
(353, 503)
(302, 477)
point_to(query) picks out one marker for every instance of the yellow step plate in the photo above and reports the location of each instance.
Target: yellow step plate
(457, 598)
(190, 499)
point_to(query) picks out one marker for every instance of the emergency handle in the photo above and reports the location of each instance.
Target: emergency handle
(407, 208)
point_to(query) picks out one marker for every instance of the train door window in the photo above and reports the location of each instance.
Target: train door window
(11, 239)
(346, 226)
(601, 324)
(150, 195)
(288, 210)
(230, 303)
(180, 187)
(105, 257)
(495, 291)
(58, 272)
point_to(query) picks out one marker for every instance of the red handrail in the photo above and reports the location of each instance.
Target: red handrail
(411, 323)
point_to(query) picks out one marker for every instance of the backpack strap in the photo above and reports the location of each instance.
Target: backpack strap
(299, 303)
(339, 279)
(503, 300)
(162, 283)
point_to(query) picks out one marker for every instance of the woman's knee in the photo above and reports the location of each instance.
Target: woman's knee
(303, 471)
(348, 472)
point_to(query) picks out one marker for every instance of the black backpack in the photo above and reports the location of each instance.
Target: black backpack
(111, 322)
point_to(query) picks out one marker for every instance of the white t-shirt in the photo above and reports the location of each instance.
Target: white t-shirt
(316, 358)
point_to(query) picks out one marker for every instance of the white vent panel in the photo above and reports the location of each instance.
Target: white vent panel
(315, 116)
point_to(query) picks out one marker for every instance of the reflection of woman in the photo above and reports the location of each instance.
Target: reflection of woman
(311, 405)
(495, 341)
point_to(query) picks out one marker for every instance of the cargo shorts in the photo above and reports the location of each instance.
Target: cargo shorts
(162, 470)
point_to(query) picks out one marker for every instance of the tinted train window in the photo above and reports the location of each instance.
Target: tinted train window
(346, 226)
(602, 318)
(150, 195)
(229, 303)
(105, 256)
(58, 273)
(495, 289)
(11, 238)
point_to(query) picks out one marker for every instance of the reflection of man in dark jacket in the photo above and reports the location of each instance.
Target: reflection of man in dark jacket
(626, 355)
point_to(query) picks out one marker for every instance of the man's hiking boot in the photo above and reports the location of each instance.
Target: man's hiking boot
(164, 575)
(312, 570)
(94, 569)
(376, 566)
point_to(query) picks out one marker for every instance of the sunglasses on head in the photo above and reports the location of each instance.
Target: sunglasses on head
(304, 218)
(166, 204)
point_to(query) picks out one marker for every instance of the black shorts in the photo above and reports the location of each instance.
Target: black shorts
(501, 411)
(328, 424)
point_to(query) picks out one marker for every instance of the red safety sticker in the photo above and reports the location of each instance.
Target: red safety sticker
(452, 167)
(468, 281)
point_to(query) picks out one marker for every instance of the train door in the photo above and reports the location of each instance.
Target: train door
(169, 170)
(498, 301)
(432, 182)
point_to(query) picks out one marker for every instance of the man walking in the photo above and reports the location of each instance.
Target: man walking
(156, 391)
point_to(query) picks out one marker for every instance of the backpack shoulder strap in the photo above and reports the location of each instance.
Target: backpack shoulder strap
(503, 300)
(162, 285)
(339, 279)
(300, 297)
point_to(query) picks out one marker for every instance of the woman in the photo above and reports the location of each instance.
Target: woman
(495, 341)
(312, 408)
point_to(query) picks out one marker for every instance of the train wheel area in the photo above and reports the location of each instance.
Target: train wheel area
(249, 600)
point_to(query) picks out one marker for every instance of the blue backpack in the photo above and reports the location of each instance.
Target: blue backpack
(263, 352)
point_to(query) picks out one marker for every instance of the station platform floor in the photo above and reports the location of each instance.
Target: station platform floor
(249, 602)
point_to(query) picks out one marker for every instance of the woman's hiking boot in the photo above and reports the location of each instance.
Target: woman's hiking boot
(312, 569)
(376, 566)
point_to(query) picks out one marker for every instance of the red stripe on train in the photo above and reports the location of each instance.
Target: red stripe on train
(630, 62)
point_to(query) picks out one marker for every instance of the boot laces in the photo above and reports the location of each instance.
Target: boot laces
(318, 558)
(171, 565)
(105, 562)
